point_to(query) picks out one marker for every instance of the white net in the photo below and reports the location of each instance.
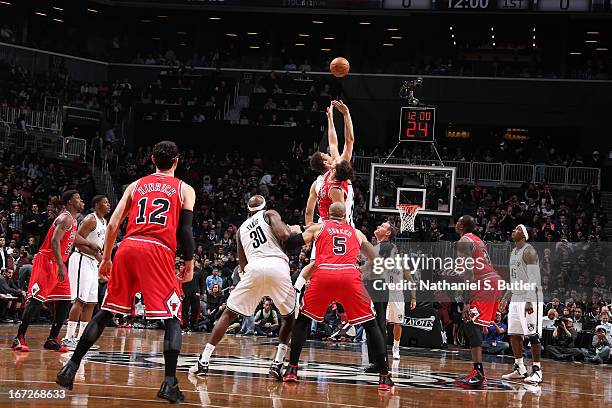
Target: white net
(408, 214)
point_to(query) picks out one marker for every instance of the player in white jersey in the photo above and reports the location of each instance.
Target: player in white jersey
(266, 273)
(83, 270)
(526, 306)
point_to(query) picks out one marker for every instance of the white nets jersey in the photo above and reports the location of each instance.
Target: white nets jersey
(518, 274)
(258, 239)
(97, 235)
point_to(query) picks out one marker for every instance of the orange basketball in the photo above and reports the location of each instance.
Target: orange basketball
(339, 67)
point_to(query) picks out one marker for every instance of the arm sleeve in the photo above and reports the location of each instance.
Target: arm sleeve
(185, 234)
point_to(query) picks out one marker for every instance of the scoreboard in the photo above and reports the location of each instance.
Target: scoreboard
(559, 6)
(417, 124)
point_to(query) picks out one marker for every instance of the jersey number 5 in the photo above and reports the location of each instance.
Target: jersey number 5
(158, 213)
(339, 245)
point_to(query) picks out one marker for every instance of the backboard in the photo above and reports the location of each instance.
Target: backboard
(428, 186)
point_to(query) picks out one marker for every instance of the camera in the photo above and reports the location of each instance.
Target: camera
(559, 321)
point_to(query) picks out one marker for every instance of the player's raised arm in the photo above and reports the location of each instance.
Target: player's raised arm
(366, 247)
(297, 240)
(185, 230)
(332, 136)
(310, 204)
(121, 211)
(279, 228)
(349, 133)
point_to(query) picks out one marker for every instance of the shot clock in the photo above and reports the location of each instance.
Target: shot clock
(417, 124)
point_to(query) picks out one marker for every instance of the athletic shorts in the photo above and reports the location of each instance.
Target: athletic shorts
(44, 285)
(343, 285)
(263, 277)
(485, 303)
(395, 312)
(83, 271)
(146, 266)
(522, 323)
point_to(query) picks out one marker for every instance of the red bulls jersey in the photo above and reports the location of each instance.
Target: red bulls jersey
(324, 200)
(337, 245)
(483, 269)
(65, 244)
(154, 213)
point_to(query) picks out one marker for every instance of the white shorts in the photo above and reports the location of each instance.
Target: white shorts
(395, 312)
(83, 274)
(263, 277)
(521, 323)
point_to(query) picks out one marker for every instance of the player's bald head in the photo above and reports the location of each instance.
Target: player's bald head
(337, 211)
(466, 224)
(256, 203)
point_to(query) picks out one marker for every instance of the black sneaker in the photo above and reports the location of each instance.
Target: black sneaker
(199, 369)
(65, 377)
(474, 380)
(385, 383)
(291, 374)
(171, 392)
(276, 370)
(370, 369)
(55, 345)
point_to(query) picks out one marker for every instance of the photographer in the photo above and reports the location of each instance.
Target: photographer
(494, 341)
(600, 347)
(564, 338)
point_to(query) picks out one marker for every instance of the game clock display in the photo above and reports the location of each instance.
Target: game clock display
(417, 124)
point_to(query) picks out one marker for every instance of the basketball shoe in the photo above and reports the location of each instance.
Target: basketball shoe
(19, 344)
(519, 373)
(55, 345)
(474, 380)
(535, 377)
(291, 374)
(200, 369)
(276, 370)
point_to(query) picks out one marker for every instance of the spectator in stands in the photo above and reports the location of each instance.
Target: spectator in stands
(599, 352)
(548, 322)
(605, 322)
(563, 341)
(213, 279)
(16, 296)
(6, 261)
(266, 320)
(494, 341)
(580, 320)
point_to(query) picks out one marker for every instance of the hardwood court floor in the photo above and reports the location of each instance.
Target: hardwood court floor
(128, 369)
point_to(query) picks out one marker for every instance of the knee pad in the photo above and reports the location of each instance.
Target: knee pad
(473, 334)
(534, 338)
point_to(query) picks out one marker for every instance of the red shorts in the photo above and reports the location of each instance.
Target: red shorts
(343, 286)
(44, 285)
(146, 266)
(485, 303)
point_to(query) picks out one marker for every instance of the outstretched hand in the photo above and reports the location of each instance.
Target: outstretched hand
(342, 108)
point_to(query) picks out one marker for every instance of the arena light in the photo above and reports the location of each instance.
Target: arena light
(232, 35)
(214, 18)
(183, 44)
(254, 47)
(492, 28)
(317, 22)
(397, 37)
(454, 42)
(252, 33)
(592, 32)
(38, 13)
(329, 38)
(58, 20)
(155, 38)
(6, 3)
(58, 8)
(364, 23)
(392, 29)
(303, 35)
(387, 44)
(326, 49)
(450, 28)
(144, 20)
(92, 10)
(533, 45)
(601, 49)
(575, 53)
(452, 35)
(591, 41)
(181, 32)
(300, 44)
(162, 16)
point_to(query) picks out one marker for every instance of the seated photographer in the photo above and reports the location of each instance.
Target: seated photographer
(599, 352)
(266, 320)
(563, 341)
(13, 296)
(494, 339)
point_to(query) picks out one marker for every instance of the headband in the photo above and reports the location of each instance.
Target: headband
(259, 207)
(524, 229)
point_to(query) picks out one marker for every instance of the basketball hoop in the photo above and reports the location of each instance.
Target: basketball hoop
(408, 213)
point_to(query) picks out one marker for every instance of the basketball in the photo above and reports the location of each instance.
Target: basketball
(339, 67)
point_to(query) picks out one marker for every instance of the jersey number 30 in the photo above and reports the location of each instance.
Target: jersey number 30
(258, 237)
(158, 213)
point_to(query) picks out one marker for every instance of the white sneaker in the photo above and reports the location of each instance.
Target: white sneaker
(93, 347)
(396, 352)
(70, 343)
(519, 373)
(535, 377)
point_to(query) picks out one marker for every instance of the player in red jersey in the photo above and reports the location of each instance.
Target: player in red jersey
(483, 303)
(159, 208)
(49, 281)
(337, 278)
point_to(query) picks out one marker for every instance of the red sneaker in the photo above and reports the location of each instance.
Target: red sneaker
(474, 380)
(19, 344)
(290, 374)
(55, 345)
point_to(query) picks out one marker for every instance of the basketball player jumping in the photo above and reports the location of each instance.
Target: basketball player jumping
(159, 208)
(49, 281)
(526, 307)
(337, 278)
(266, 269)
(83, 270)
(333, 183)
(480, 311)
